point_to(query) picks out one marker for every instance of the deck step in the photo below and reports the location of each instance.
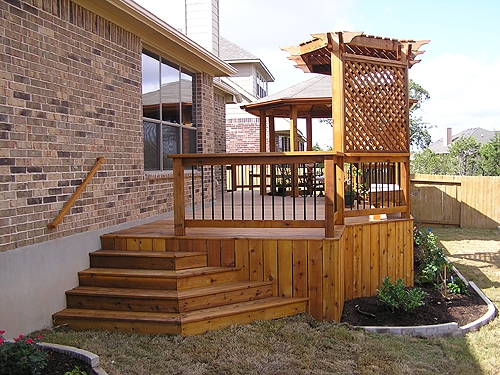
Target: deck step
(188, 323)
(168, 301)
(152, 260)
(157, 279)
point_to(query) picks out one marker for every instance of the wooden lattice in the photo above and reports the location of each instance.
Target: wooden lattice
(376, 100)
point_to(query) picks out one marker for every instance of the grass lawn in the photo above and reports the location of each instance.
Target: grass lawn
(301, 345)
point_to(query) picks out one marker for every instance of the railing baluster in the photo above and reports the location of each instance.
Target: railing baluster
(242, 192)
(251, 189)
(212, 182)
(273, 186)
(233, 178)
(306, 189)
(264, 166)
(314, 189)
(223, 189)
(193, 190)
(202, 192)
(295, 188)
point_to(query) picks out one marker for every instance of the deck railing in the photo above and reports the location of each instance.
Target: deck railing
(286, 190)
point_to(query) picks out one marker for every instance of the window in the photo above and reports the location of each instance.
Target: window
(261, 86)
(167, 103)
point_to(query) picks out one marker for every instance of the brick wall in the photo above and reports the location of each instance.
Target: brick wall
(71, 92)
(243, 135)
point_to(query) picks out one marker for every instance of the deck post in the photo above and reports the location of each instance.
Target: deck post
(262, 178)
(339, 190)
(329, 185)
(179, 203)
(405, 182)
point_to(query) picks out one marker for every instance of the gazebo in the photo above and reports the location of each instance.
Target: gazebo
(309, 99)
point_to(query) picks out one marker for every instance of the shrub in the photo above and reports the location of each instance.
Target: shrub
(431, 260)
(457, 286)
(21, 357)
(75, 371)
(398, 297)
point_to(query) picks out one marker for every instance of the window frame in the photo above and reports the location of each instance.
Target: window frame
(180, 126)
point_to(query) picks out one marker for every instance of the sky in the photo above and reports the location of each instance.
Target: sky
(460, 68)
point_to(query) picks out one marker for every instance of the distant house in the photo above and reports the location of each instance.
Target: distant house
(480, 135)
(251, 82)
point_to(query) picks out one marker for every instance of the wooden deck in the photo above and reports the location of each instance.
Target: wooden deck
(300, 262)
(148, 280)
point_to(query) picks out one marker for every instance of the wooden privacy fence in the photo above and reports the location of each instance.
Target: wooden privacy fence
(461, 201)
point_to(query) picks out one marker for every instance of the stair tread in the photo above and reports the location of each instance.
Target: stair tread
(121, 272)
(186, 317)
(148, 254)
(236, 308)
(167, 294)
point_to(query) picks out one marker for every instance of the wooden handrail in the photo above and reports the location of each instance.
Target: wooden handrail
(76, 194)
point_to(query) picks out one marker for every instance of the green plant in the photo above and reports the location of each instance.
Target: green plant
(457, 286)
(433, 264)
(398, 297)
(21, 357)
(75, 371)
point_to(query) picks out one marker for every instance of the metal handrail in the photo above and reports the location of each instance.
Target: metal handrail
(76, 194)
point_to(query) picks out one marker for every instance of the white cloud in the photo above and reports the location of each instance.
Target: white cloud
(463, 93)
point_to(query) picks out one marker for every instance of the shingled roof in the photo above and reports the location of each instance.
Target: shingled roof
(233, 54)
(480, 135)
(228, 51)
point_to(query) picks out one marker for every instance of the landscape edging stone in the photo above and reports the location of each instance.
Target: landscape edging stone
(446, 329)
(88, 357)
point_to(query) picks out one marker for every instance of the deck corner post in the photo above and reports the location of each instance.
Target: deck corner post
(339, 189)
(329, 196)
(405, 182)
(179, 201)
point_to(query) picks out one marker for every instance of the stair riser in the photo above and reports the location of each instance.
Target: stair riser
(227, 298)
(146, 263)
(119, 326)
(128, 282)
(179, 283)
(155, 326)
(202, 326)
(100, 302)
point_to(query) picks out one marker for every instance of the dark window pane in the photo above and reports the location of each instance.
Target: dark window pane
(170, 93)
(150, 86)
(187, 98)
(170, 144)
(151, 160)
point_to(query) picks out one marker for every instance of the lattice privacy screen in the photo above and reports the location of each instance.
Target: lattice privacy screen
(375, 107)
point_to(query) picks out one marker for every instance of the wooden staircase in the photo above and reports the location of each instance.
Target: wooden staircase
(167, 293)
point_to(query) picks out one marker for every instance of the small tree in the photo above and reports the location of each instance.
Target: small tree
(490, 156)
(465, 157)
(428, 162)
(419, 133)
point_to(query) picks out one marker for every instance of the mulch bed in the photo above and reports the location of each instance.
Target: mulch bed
(463, 309)
(60, 363)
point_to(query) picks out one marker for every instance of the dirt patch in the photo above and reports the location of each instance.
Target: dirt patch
(463, 309)
(60, 363)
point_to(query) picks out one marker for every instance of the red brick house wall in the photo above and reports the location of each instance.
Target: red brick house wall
(71, 92)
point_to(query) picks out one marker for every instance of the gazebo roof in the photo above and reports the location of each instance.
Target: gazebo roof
(313, 98)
